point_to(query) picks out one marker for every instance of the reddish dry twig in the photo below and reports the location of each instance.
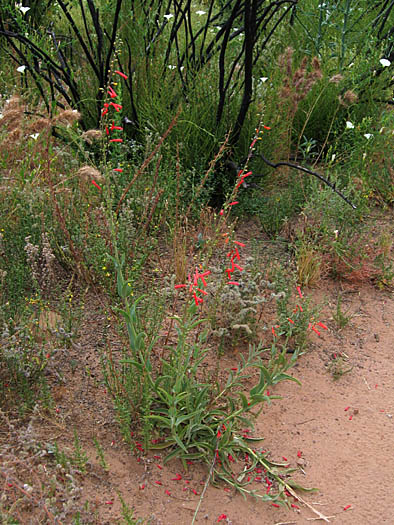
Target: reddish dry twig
(148, 160)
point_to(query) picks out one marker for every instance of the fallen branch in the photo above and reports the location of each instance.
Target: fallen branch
(310, 172)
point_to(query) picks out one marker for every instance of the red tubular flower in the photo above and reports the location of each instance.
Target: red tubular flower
(177, 286)
(178, 477)
(235, 283)
(122, 75)
(322, 325)
(275, 505)
(116, 140)
(167, 492)
(221, 517)
(315, 330)
(266, 127)
(116, 127)
(111, 92)
(117, 107)
(290, 320)
(299, 292)
(273, 332)
(233, 203)
(240, 244)
(158, 483)
(119, 170)
(95, 184)
(347, 507)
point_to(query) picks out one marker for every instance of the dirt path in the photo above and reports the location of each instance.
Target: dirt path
(343, 431)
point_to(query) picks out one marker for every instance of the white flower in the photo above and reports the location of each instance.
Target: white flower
(34, 136)
(171, 67)
(385, 62)
(263, 79)
(333, 157)
(1, 116)
(169, 16)
(24, 9)
(349, 125)
(200, 13)
(21, 69)
(368, 135)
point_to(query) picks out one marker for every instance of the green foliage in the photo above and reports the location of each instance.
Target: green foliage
(22, 365)
(194, 417)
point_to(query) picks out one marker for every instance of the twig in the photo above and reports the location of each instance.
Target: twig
(204, 489)
(310, 172)
(148, 160)
(319, 514)
(365, 381)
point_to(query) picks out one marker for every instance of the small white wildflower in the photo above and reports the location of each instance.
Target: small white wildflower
(364, 156)
(336, 233)
(333, 157)
(351, 64)
(200, 13)
(21, 69)
(169, 16)
(368, 135)
(24, 10)
(34, 136)
(182, 68)
(349, 125)
(171, 67)
(385, 62)
(263, 79)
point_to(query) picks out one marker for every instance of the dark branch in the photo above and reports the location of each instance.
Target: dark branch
(310, 172)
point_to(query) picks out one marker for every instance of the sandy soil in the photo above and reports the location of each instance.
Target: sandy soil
(337, 433)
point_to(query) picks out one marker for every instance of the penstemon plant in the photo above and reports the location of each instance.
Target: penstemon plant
(186, 414)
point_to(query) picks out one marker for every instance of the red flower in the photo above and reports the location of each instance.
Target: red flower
(178, 477)
(221, 517)
(117, 107)
(122, 74)
(116, 127)
(111, 92)
(116, 140)
(299, 291)
(119, 170)
(95, 184)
